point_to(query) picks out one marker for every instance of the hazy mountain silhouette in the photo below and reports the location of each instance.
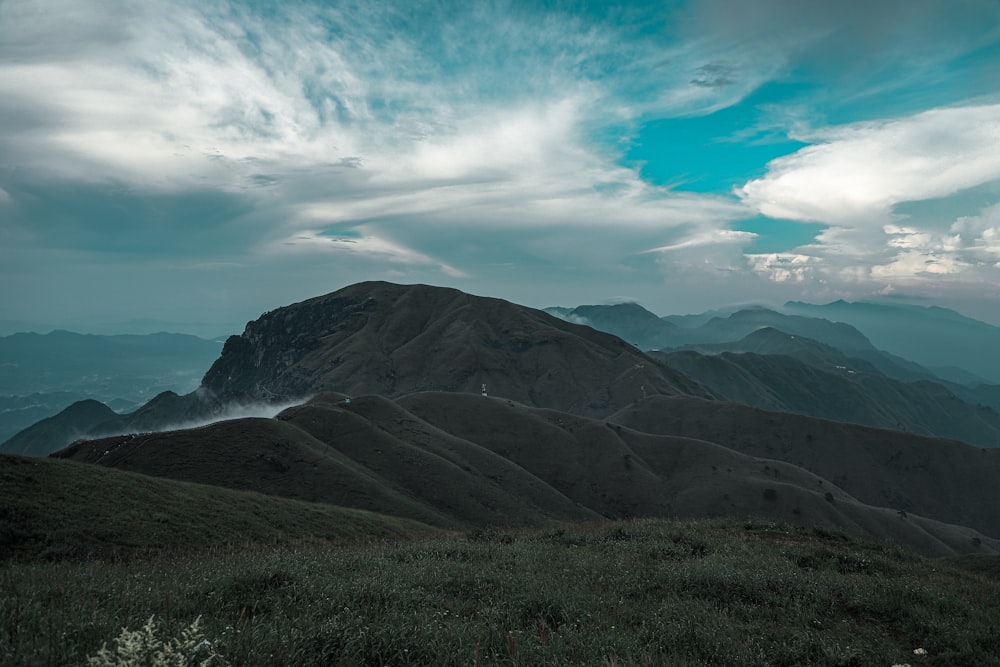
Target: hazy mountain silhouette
(936, 337)
(629, 321)
(41, 375)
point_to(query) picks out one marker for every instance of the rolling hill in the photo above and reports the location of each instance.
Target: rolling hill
(57, 510)
(776, 371)
(461, 460)
(943, 479)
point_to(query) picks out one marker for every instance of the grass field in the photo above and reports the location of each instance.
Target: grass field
(626, 593)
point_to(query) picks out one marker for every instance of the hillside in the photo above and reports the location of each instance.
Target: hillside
(942, 479)
(55, 510)
(652, 592)
(776, 371)
(461, 460)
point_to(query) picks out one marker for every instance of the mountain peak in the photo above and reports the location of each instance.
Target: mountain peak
(384, 338)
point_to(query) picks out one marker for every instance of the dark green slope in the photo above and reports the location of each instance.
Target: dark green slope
(831, 388)
(619, 472)
(465, 460)
(76, 421)
(353, 462)
(943, 479)
(62, 509)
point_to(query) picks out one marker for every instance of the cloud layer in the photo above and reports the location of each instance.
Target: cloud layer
(252, 154)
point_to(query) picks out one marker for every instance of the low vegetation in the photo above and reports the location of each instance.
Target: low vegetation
(54, 510)
(627, 593)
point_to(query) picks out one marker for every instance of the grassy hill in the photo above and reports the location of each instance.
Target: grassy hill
(627, 593)
(943, 479)
(846, 390)
(464, 461)
(54, 510)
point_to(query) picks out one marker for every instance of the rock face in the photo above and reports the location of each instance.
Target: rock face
(382, 338)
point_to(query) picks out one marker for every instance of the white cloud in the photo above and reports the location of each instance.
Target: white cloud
(366, 244)
(783, 267)
(980, 234)
(710, 238)
(855, 174)
(327, 115)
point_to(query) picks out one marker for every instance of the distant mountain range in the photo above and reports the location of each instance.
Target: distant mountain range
(387, 382)
(41, 374)
(809, 365)
(955, 347)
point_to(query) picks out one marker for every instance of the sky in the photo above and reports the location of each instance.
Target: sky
(207, 161)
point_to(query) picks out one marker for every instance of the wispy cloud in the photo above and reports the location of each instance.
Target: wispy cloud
(458, 136)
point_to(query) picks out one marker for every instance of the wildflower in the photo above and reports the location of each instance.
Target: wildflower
(919, 651)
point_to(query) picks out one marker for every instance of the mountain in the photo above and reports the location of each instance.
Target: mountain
(397, 339)
(462, 460)
(392, 340)
(19, 412)
(636, 324)
(943, 479)
(776, 371)
(80, 419)
(43, 374)
(935, 337)
(629, 321)
(744, 322)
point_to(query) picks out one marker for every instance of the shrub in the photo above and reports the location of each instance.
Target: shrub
(142, 647)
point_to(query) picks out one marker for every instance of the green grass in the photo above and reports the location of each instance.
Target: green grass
(62, 510)
(633, 593)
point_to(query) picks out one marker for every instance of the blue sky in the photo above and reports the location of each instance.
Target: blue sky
(208, 161)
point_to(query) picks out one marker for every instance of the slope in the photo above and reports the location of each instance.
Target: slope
(942, 479)
(56, 510)
(465, 460)
(356, 462)
(817, 380)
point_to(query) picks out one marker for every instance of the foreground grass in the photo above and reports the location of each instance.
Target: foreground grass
(643, 593)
